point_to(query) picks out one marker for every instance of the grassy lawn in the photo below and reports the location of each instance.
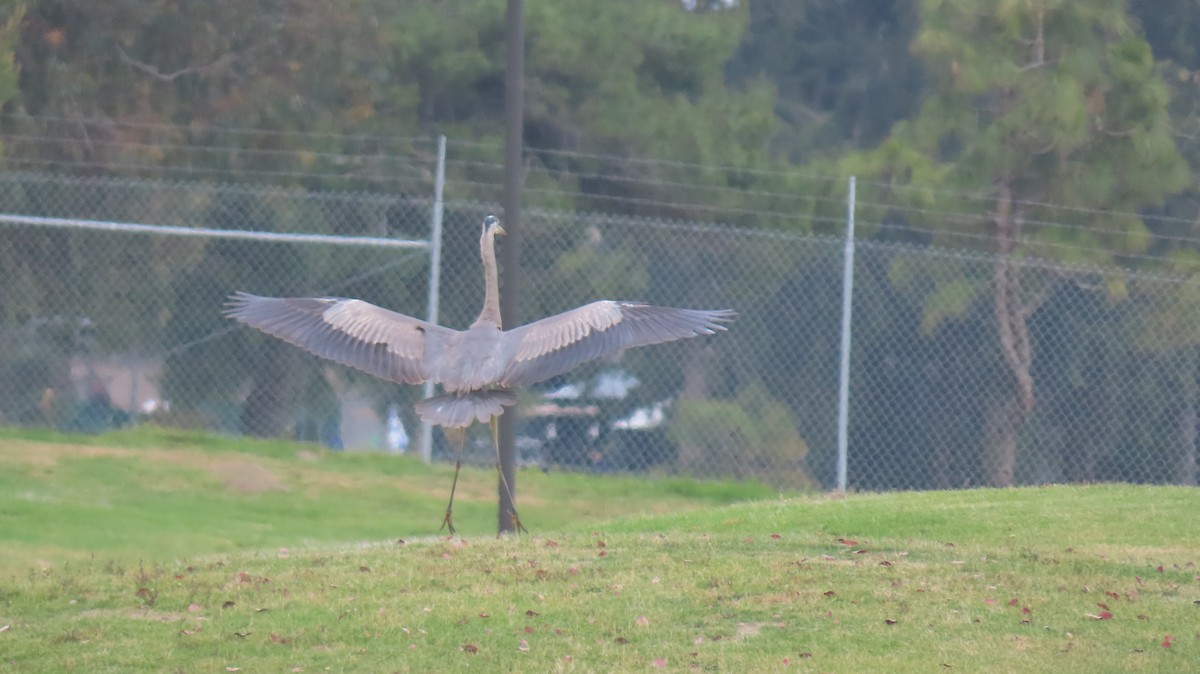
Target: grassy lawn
(158, 494)
(176, 568)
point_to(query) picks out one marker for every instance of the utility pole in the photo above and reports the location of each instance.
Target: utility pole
(514, 142)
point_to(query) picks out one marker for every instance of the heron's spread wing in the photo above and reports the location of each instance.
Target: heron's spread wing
(554, 345)
(351, 332)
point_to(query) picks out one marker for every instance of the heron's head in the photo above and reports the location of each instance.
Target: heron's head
(492, 224)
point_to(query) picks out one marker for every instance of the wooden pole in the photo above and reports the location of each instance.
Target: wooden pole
(514, 142)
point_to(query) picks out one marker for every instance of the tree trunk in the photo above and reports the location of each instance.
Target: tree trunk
(1084, 446)
(696, 360)
(941, 466)
(1080, 457)
(1003, 423)
(1008, 415)
(696, 363)
(1186, 468)
(267, 411)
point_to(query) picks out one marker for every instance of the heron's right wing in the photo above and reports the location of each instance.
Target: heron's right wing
(351, 332)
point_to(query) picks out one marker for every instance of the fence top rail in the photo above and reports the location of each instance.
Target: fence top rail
(11, 176)
(208, 232)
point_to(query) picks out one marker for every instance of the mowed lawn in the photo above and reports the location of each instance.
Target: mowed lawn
(160, 494)
(176, 566)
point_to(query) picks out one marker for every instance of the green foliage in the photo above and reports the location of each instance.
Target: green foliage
(1045, 128)
(948, 301)
(603, 273)
(843, 71)
(1053, 116)
(752, 435)
(1171, 320)
(11, 14)
(294, 70)
(1090, 121)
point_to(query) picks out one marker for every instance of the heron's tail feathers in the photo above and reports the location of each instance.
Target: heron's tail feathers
(458, 410)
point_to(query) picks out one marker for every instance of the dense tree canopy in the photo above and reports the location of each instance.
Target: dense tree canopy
(1052, 129)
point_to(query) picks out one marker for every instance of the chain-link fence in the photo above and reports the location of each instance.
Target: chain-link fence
(105, 327)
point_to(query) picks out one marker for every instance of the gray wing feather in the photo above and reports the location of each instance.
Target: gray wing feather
(351, 332)
(555, 345)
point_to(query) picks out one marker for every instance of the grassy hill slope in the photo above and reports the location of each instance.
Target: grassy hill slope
(1066, 579)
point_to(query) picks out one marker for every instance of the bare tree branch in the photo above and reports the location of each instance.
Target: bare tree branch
(221, 63)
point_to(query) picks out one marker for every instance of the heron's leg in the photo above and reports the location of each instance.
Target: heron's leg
(495, 424)
(457, 436)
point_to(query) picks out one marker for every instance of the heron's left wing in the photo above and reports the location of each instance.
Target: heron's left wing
(557, 344)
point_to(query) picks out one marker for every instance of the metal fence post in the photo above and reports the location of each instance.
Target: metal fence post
(435, 278)
(844, 353)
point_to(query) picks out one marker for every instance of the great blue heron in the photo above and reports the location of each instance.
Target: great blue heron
(478, 368)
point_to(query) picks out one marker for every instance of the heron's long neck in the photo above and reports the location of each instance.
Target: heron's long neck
(491, 295)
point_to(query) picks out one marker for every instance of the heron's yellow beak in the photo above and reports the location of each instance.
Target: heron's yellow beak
(500, 230)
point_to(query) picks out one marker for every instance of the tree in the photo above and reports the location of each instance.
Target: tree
(844, 71)
(1031, 103)
(146, 87)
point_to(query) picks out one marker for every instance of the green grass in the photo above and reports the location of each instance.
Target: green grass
(983, 580)
(159, 494)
